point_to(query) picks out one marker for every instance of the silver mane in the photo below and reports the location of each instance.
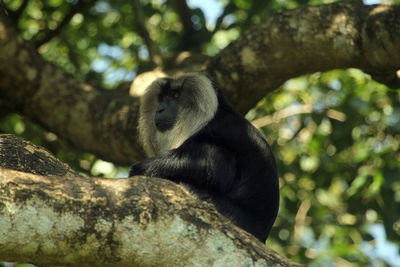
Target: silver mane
(198, 105)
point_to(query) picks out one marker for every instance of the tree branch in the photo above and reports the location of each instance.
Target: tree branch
(21, 155)
(309, 39)
(72, 55)
(295, 110)
(154, 52)
(138, 221)
(117, 222)
(20, 9)
(100, 121)
(282, 114)
(6, 10)
(16, 14)
(185, 17)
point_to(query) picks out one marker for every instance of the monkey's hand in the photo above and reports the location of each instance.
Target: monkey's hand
(153, 167)
(137, 169)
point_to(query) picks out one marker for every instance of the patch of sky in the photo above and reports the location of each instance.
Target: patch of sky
(122, 174)
(130, 75)
(120, 74)
(319, 106)
(335, 84)
(100, 65)
(112, 51)
(383, 250)
(229, 19)
(101, 7)
(212, 9)
(143, 52)
(307, 237)
(394, 118)
(331, 100)
(372, 2)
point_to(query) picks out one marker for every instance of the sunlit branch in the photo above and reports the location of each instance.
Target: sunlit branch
(295, 110)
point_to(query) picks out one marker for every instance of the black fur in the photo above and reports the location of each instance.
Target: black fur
(229, 162)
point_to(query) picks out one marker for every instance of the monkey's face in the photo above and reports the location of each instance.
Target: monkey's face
(174, 109)
(168, 105)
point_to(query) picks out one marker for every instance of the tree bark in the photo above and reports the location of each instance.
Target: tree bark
(138, 221)
(21, 155)
(306, 40)
(96, 120)
(287, 44)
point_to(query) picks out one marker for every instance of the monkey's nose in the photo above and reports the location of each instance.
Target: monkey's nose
(161, 108)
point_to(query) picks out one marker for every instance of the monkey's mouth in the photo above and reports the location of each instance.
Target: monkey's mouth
(163, 125)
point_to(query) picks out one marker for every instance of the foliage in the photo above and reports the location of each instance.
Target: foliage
(339, 164)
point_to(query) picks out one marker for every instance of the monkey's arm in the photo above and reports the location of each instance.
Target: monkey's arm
(198, 164)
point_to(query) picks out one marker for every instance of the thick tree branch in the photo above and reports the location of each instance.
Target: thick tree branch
(100, 121)
(117, 222)
(306, 40)
(139, 221)
(21, 155)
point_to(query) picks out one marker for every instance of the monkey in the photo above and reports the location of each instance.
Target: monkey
(194, 137)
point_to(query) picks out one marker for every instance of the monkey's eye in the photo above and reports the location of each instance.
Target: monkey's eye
(175, 94)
